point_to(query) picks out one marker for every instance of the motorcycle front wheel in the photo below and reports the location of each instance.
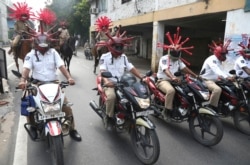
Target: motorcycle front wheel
(242, 121)
(206, 129)
(145, 144)
(56, 149)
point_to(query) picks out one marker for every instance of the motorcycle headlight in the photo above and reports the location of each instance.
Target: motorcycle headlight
(205, 95)
(143, 103)
(48, 107)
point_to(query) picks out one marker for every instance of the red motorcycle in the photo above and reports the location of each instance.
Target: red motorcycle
(131, 114)
(234, 102)
(190, 104)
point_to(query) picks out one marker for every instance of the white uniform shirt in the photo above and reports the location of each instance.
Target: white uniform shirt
(116, 66)
(212, 68)
(166, 63)
(45, 68)
(239, 64)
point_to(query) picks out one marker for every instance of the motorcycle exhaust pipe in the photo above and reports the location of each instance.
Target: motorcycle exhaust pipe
(96, 108)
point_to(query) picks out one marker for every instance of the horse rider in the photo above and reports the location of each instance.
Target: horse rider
(63, 33)
(21, 14)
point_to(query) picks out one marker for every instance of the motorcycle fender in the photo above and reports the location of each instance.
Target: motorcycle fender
(53, 128)
(203, 110)
(145, 122)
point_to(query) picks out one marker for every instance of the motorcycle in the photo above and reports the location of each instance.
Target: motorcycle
(43, 105)
(190, 104)
(131, 114)
(88, 55)
(234, 101)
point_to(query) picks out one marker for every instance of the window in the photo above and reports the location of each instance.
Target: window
(102, 5)
(124, 1)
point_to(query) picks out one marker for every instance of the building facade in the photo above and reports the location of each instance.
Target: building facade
(3, 21)
(200, 20)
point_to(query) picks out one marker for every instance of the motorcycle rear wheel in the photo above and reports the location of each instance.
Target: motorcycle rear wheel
(56, 149)
(206, 129)
(145, 144)
(242, 121)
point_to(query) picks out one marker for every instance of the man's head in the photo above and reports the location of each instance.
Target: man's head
(24, 17)
(115, 46)
(174, 54)
(41, 43)
(220, 53)
(220, 50)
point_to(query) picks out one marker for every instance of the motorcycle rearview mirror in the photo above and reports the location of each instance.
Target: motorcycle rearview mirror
(233, 71)
(177, 74)
(16, 73)
(106, 74)
(149, 73)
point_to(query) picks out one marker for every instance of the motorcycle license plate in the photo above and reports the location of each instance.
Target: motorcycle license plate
(145, 113)
(205, 103)
(51, 116)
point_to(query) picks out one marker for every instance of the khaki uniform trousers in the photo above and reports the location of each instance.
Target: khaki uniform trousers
(169, 90)
(110, 102)
(216, 92)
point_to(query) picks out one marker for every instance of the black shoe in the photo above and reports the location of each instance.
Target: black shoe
(166, 114)
(33, 132)
(75, 135)
(108, 123)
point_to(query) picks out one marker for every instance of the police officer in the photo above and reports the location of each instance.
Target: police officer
(44, 61)
(212, 70)
(116, 62)
(242, 63)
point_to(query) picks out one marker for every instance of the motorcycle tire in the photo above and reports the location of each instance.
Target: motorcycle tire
(145, 144)
(56, 149)
(242, 121)
(206, 129)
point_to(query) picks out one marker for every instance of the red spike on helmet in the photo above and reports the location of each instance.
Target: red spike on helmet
(20, 10)
(176, 43)
(175, 46)
(219, 49)
(103, 24)
(47, 16)
(245, 51)
(116, 43)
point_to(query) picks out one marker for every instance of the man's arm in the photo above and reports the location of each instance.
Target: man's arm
(67, 75)
(246, 69)
(136, 73)
(25, 75)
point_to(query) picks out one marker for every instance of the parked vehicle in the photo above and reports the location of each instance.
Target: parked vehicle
(190, 104)
(87, 53)
(131, 115)
(234, 102)
(43, 104)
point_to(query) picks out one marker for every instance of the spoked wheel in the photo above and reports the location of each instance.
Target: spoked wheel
(145, 144)
(56, 149)
(242, 121)
(206, 129)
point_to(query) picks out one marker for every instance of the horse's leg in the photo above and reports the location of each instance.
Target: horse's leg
(68, 62)
(16, 61)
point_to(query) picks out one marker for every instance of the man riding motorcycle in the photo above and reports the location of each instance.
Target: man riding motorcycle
(242, 64)
(44, 61)
(212, 71)
(116, 62)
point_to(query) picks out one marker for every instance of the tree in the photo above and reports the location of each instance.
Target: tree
(76, 13)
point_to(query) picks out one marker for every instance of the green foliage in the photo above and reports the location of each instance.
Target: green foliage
(76, 13)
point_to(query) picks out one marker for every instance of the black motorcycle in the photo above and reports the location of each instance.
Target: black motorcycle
(234, 102)
(131, 115)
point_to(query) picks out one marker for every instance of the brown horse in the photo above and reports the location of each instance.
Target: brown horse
(22, 49)
(97, 53)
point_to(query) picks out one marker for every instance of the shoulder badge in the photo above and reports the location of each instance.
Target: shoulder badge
(27, 58)
(101, 61)
(214, 61)
(242, 61)
(164, 62)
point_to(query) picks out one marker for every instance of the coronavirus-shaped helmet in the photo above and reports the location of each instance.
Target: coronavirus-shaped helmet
(220, 50)
(21, 11)
(245, 51)
(116, 43)
(175, 46)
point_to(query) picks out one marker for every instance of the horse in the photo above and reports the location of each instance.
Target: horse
(22, 49)
(67, 50)
(97, 53)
